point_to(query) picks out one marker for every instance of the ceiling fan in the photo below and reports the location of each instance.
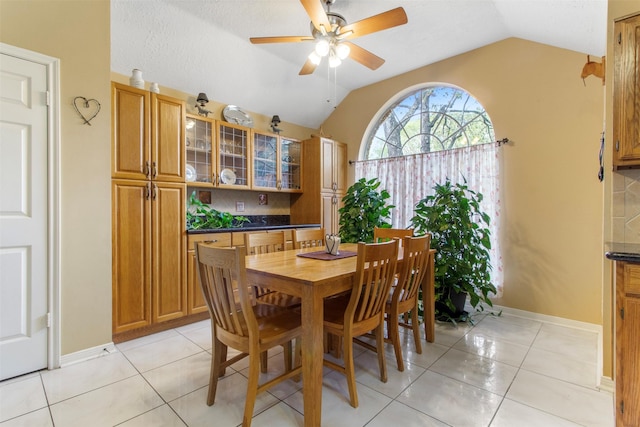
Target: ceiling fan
(331, 33)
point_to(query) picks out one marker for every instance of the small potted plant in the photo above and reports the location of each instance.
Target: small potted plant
(364, 208)
(460, 235)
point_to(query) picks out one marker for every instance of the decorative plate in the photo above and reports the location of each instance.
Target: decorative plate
(227, 176)
(190, 174)
(234, 114)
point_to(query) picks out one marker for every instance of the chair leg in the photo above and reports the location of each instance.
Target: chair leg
(415, 325)
(297, 357)
(252, 387)
(287, 356)
(394, 335)
(380, 350)
(349, 369)
(263, 362)
(219, 352)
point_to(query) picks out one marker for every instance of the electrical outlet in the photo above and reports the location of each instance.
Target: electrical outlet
(239, 206)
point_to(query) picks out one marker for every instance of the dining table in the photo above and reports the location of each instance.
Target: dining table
(301, 273)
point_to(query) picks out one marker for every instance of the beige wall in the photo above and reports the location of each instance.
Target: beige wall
(552, 202)
(621, 205)
(77, 32)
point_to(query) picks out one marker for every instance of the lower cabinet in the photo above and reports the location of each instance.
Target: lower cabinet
(149, 254)
(627, 344)
(197, 303)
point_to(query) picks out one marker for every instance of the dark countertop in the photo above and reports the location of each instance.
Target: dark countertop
(253, 227)
(618, 251)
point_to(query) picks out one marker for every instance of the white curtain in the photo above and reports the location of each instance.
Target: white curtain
(411, 178)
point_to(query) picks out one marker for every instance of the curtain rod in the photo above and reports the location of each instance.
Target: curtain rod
(498, 142)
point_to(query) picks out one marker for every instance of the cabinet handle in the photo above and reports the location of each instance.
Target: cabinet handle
(147, 191)
(618, 145)
(146, 169)
(155, 192)
(154, 170)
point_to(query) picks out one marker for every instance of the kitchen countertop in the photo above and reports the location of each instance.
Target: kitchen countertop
(253, 227)
(618, 251)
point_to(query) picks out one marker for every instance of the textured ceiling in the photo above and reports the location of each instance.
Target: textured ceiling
(203, 45)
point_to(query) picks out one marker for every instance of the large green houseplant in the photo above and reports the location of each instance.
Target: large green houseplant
(201, 216)
(364, 208)
(460, 235)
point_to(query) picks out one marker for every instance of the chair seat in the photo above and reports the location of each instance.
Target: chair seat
(279, 299)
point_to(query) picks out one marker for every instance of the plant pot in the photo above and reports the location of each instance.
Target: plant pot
(443, 312)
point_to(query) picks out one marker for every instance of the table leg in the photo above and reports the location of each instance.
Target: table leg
(428, 299)
(312, 355)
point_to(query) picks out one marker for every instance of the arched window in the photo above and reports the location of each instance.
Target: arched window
(432, 118)
(424, 137)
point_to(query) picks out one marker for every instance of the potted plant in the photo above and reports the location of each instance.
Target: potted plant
(201, 216)
(364, 208)
(460, 235)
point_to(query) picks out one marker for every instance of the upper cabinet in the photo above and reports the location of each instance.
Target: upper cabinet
(201, 150)
(234, 149)
(148, 135)
(626, 94)
(276, 163)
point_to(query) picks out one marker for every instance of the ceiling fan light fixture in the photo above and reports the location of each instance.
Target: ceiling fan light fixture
(322, 47)
(315, 58)
(342, 51)
(334, 61)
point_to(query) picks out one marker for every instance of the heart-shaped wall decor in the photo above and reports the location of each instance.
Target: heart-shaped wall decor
(92, 107)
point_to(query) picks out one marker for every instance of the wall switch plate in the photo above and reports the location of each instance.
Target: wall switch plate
(239, 206)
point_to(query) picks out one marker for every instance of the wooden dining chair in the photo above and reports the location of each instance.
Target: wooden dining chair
(404, 293)
(385, 234)
(354, 315)
(308, 238)
(250, 329)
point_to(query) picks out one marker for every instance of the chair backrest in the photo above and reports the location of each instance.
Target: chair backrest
(375, 271)
(308, 238)
(223, 280)
(386, 234)
(415, 256)
(262, 243)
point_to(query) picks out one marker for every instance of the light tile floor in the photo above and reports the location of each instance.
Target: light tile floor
(503, 371)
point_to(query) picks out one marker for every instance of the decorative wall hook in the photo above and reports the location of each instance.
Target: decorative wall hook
(81, 101)
(593, 68)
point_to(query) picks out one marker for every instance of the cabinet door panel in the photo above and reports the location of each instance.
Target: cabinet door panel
(131, 252)
(167, 135)
(169, 252)
(340, 167)
(630, 364)
(131, 154)
(326, 153)
(626, 93)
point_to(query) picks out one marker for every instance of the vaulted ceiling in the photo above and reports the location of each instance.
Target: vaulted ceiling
(203, 45)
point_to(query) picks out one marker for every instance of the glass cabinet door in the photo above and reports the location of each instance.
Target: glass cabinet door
(265, 161)
(199, 145)
(233, 156)
(290, 164)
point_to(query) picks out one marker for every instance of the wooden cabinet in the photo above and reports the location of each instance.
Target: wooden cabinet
(276, 163)
(196, 302)
(147, 136)
(234, 156)
(325, 184)
(627, 344)
(148, 209)
(149, 247)
(626, 94)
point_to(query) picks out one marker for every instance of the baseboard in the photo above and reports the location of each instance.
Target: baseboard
(87, 354)
(607, 384)
(592, 327)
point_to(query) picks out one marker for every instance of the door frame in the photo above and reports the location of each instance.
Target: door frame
(52, 66)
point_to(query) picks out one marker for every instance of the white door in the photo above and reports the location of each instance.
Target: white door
(23, 217)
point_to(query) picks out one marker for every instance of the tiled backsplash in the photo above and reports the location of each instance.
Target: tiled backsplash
(625, 210)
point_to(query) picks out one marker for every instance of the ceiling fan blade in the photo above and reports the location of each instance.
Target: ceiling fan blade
(364, 57)
(382, 21)
(317, 14)
(282, 39)
(308, 68)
